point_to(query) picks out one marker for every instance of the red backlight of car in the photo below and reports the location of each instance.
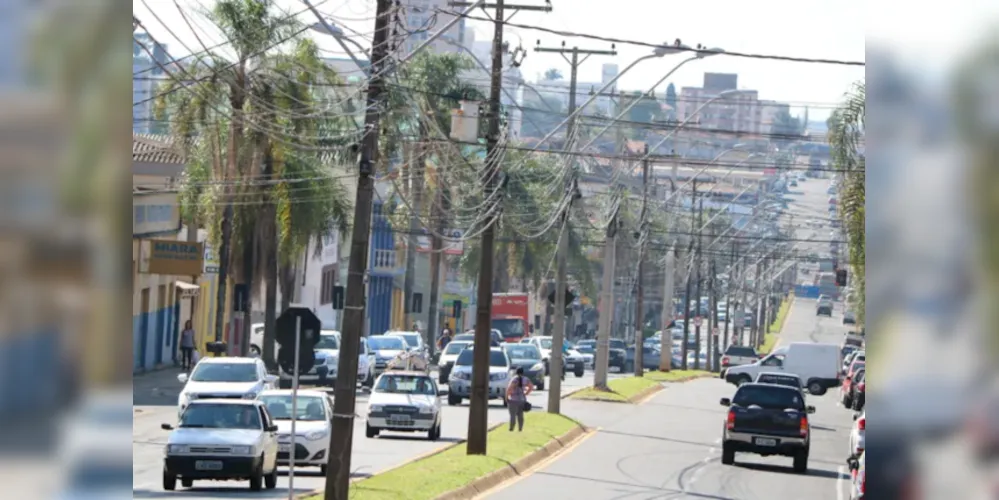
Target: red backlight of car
(862, 423)
(725, 361)
(803, 427)
(730, 423)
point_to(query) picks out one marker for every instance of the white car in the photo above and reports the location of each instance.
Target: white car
(313, 424)
(222, 440)
(461, 376)
(225, 378)
(324, 370)
(365, 361)
(386, 348)
(404, 401)
(573, 361)
(414, 341)
(857, 437)
(448, 358)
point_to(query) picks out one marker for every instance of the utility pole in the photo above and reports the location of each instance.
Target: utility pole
(712, 318)
(697, 327)
(479, 400)
(686, 293)
(417, 166)
(665, 359)
(561, 287)
(728, 298)
(607, 299)
(341, 438)
(440, 211)
(754, 328)
(639, 291)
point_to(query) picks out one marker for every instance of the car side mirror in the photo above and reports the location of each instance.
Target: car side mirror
(166, 427)
(182, 378)
(856, 416)
(725, 402)
(270, 379)
(853, 463)
(272, 428)
(810, 409)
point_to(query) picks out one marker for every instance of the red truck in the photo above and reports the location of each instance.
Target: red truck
(512, 315)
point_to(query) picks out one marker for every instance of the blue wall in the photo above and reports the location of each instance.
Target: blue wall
(156, 344)
(380, 284)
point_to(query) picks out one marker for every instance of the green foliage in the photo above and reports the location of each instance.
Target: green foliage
(552, 74)
(846, 133)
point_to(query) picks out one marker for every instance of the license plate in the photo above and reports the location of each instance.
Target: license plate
(764, 442)
(208, 465)
(284, 448)
(399, 418)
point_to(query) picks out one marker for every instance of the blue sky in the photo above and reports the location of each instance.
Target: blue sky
(828, 30)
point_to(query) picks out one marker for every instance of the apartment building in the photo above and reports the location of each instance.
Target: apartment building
(743, 112)
(425, 17)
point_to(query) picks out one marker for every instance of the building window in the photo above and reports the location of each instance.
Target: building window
(327, 284)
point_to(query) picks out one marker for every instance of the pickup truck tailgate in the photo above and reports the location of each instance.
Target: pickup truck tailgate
(756, 420)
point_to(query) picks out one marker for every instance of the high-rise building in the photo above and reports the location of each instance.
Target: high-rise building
(422, 18)
(148, 60)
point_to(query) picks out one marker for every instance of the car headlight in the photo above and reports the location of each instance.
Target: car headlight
(375, 408)
(176, 449)
(251, 395)
(242, 450)
(461, 375)
(426, 410)
(537, 367)
(316, 435)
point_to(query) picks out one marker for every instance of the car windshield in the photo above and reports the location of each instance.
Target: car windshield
(411, 339)
(546, 343)
(405, 384)
(225, 372)
(617, 344)
(386, 343)
(768, 398)
(465, 337)
(735, 350)
(496, 358)
(308, 408)
(523, 351)
(456, 347)
(328, 342)
(221, 416)
(585, 347)
(509, 327)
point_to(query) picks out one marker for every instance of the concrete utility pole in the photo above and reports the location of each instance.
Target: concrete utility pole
(479, 400)
(665, 359)
(341, 438)
(440, 211)
(643, 234)
(712, 317)
(558, 334)
(607, 299)
(686, 293)
(697, 327)
(755, 327)
(417, 171)
(727, 341)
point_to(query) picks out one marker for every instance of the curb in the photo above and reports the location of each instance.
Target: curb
(645, 393)
(303, 496)
(490, 481)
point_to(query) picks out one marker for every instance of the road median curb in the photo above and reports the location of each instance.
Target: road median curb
(644, 394)
(494, 479)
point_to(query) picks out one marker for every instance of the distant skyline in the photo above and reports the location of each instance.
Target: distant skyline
(828, 30)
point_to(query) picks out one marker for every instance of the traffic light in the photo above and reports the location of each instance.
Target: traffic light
(457, 309)
(286, 326)
(841, 277)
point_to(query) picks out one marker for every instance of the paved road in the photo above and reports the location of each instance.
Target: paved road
(670, 446)
(155, 399)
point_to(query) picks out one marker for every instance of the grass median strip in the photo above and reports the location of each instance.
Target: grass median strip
(621, 390)
(678, 375)
(770, 337)
(438, 474)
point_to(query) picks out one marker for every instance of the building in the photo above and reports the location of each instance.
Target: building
(147, 74)
(425, 17)
(174, 275)
(604, 104)
(512, 95)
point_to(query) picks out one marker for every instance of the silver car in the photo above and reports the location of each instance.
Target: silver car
(460, 382)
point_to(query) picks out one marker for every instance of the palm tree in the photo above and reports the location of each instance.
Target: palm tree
(268, 192)
(846, 133)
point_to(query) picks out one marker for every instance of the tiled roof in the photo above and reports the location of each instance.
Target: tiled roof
(154, 148)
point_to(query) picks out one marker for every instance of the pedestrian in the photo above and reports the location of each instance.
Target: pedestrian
(516, 398)
(444, 340)
(187, 346)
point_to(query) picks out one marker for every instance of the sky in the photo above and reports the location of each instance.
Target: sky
(826, 30)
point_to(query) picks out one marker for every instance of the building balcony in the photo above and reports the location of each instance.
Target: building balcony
(386, 263)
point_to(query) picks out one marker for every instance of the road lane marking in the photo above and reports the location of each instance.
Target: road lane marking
(540, 465)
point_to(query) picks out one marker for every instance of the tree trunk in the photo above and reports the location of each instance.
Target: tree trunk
(249, 253)
(287, 276)
(270, 302)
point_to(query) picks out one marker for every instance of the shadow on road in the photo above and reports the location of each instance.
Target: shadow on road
(658, 438)
(828, 474)
(234, 491)
(666, 492)
(405, 437)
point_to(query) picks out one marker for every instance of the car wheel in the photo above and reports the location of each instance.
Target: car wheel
(187, 483)
(254, 350)
(816, 389)
(169, 481)
(547, 371)
(743, 379)
(453, 400)
(270, 480)
(369, 381)
(801, 462)
(435, 433)
(728, 454)
(370, 431)
(323, 470)
(579, 373)
(257, 478)
(540, 385)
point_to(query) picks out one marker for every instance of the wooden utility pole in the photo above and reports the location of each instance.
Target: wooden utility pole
(341, 438)
(479, 400)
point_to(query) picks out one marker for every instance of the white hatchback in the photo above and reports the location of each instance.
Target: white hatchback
(313, 425)
(224, 378)
(404, 401)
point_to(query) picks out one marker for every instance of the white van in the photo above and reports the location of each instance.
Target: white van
(817, 365)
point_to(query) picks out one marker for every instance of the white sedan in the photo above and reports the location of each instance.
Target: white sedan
(404, 401)
(313, 424)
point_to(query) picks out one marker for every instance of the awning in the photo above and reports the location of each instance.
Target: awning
(186, 290)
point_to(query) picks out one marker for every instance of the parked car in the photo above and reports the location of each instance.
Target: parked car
(767, 419)
(860, 392)
(824, 306)
(572, 362)
(846, 390)
(849, 318)
(404, 402)
(850, 358)
(222, 440)
(859, 484)
(313, 425)
(857, 435)
(461, 376)
(617, 355)
(224, 378)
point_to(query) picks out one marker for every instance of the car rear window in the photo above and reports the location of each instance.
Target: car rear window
(779, 380)
(741, 351)
(768, 397)
(496, 358)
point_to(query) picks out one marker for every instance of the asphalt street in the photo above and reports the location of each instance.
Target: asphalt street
(155, 403)
(670, 447)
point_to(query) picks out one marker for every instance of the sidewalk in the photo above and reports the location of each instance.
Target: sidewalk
(156, 388)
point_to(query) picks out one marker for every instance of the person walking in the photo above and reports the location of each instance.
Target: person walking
(516, 398)
(187, 346)
(444, 340)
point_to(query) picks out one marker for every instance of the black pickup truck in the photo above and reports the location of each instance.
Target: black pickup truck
(767, 419)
